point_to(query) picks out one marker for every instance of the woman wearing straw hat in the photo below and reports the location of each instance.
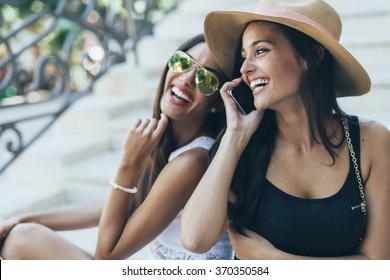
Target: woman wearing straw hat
(297, 178)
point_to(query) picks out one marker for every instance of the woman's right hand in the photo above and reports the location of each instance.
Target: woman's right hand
(245, 125)
(141, 139)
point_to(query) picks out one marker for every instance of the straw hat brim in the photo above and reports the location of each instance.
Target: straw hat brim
(223, 30)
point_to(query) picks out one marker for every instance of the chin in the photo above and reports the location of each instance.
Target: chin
(261, 107)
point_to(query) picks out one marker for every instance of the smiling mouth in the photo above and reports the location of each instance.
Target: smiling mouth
(259, 83)
(181, 96)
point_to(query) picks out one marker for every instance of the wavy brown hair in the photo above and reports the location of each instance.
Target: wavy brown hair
(159, 157)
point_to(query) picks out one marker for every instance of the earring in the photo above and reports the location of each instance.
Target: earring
(214, 110)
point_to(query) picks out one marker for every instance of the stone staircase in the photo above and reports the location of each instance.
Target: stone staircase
(366, 34)
(74, 160)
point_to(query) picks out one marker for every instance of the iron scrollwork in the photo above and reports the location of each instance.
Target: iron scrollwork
(54, 51)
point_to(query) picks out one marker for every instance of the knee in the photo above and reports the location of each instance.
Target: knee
(25, 231)
(19, 239)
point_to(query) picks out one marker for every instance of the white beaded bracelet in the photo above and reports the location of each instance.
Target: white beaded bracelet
(115, 185)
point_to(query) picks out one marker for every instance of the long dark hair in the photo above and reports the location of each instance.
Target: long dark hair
(159, 158)
(319, 97)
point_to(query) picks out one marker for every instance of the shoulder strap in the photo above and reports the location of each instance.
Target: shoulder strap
(346, 124)
(354, 132)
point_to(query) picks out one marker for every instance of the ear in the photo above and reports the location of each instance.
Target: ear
(320, 54)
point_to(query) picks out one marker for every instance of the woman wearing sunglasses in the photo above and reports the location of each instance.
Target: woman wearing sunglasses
(161, 163)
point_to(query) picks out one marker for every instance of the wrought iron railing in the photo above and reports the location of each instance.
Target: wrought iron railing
(51, 54)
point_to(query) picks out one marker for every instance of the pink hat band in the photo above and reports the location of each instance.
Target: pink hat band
(273, 11)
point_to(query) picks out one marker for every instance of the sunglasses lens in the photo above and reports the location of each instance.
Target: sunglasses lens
(206, 81)
(180, 62)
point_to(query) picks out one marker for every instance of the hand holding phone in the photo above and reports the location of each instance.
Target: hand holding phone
(243, 97)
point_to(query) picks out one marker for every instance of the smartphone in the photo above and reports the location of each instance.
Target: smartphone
(242, 95)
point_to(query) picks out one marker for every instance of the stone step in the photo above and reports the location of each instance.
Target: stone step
(375, 58)
(357, 8)
(374, 105)
(152, 61)
(367, 30)
(380, 80)
(46, 161)
(30, 110)
(83, 131)
(97, 170)
(376, 99)
(192, 19)
(92, 115)
(204, 6)
(121, 78)
(191, 15)
(17, 199)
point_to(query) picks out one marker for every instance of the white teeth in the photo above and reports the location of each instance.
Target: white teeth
(259, 83)
(181, 94)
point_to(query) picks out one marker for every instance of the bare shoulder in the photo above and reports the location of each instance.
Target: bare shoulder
(195, 154)
(374, 133)
(180, 176)
(193, 162)
(375, 141)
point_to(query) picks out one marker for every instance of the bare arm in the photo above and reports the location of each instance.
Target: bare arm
(375, 151)
(67, 218)
(204, 218)
(120, 237)
(141, 139)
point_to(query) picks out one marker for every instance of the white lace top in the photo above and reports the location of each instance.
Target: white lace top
(167, 246)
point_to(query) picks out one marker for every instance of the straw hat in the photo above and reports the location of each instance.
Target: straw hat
(315, 18)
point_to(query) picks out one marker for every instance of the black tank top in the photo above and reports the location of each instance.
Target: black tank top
(326, 227)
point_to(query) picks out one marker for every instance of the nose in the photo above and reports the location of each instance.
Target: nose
(188, 78)
(247, 67)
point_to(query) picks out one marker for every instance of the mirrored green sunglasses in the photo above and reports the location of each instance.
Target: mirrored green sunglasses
(205, 80)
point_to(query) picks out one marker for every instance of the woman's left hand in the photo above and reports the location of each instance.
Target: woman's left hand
(234, 118)
(238, 125)
(251, 246)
